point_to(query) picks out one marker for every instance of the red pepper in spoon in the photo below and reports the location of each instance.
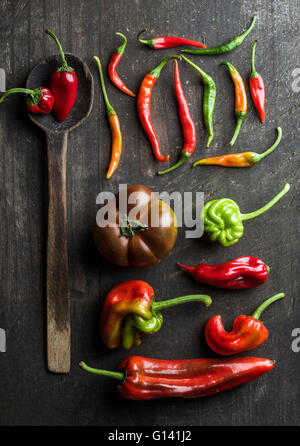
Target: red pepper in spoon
(247, 332)
(241, 273)
(40, 100)
(63, 84)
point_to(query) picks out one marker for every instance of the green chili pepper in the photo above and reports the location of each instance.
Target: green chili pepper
(209, 99)
(223, 219)
(226, 47)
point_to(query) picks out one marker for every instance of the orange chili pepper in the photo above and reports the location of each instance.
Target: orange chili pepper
(115, 129)
(246, 159)
(240, 99)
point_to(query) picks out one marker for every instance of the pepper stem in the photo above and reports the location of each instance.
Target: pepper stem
(149, 42)
(237, 129)
(115, 375)
(268, 151)
(65, 66)
(245, 33)
(257, 313)
(203, 74)
(32, 93)
(267, 206)
(121, 48)
(183, 157)
(253, 70)
(110, 110)
(157, 70)
(158, 306)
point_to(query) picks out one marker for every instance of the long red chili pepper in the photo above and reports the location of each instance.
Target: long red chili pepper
(149, 379)
(161, 43)
(144, 106)
(63, 85)
(240, 273)
(188, 126)
(257, 87)
(112, 66)
(247, 332)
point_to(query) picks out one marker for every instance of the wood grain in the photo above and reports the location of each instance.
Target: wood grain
(29, 394)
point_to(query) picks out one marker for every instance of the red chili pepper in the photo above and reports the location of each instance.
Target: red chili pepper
(63, 84)
(161, 43)
(247, 332)
(40, 100)
(112, 66)
(257, 87)
(129, 311)
(144, 106)
(149, 379)
(188, 126)
(240, 273)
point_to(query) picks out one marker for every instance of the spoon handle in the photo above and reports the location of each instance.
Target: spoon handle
(58, 300)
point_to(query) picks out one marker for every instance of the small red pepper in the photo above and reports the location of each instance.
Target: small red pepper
(240, 273)
(40, 100)
(188, 126)
(247, 332)
(161, 43)
(257, 87)
(129, 311)
(144, 104)
(63, 85)
(148, 379)
(112, 66)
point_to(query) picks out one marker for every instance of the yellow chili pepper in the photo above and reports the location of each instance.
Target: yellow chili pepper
(245, 159)
(114, 124)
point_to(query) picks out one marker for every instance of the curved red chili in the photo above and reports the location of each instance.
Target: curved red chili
(257, 87)
(112, 66)
(241, 273)
(161, 43)
(144, 106)
(248, 332)
(188, 126)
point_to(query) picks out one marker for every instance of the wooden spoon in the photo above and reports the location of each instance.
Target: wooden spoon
(58, 300)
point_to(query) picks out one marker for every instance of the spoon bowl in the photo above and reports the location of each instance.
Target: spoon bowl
(58, 300)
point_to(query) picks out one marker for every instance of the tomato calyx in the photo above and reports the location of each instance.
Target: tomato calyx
(129, 228)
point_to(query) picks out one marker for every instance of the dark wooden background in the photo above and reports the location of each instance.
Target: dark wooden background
(29, 394)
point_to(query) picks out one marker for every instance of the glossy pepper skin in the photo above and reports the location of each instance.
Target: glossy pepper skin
(223, 220)
(114, 123)
(209, 99)
(40, 100)
(129, 310)
(257, 87)
(225, 47)
(188, 126)
(144, 106)
(148, 379)
(241, 273)
(240, 99)
(247, 332)
(112, 67)
(161, 43)
(63, 85)
(245, 159)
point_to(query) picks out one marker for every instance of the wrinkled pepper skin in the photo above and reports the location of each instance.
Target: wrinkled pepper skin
(130, 311)
(247, 333)
(241, 273)
(149, 379)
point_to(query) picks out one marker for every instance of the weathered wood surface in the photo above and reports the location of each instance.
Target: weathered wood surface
(29, 394)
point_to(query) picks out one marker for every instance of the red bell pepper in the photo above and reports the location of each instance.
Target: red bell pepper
(63, 84)
(149, 379)
(40, 100)
(129, 311)
(247, 332)
(243, 272)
